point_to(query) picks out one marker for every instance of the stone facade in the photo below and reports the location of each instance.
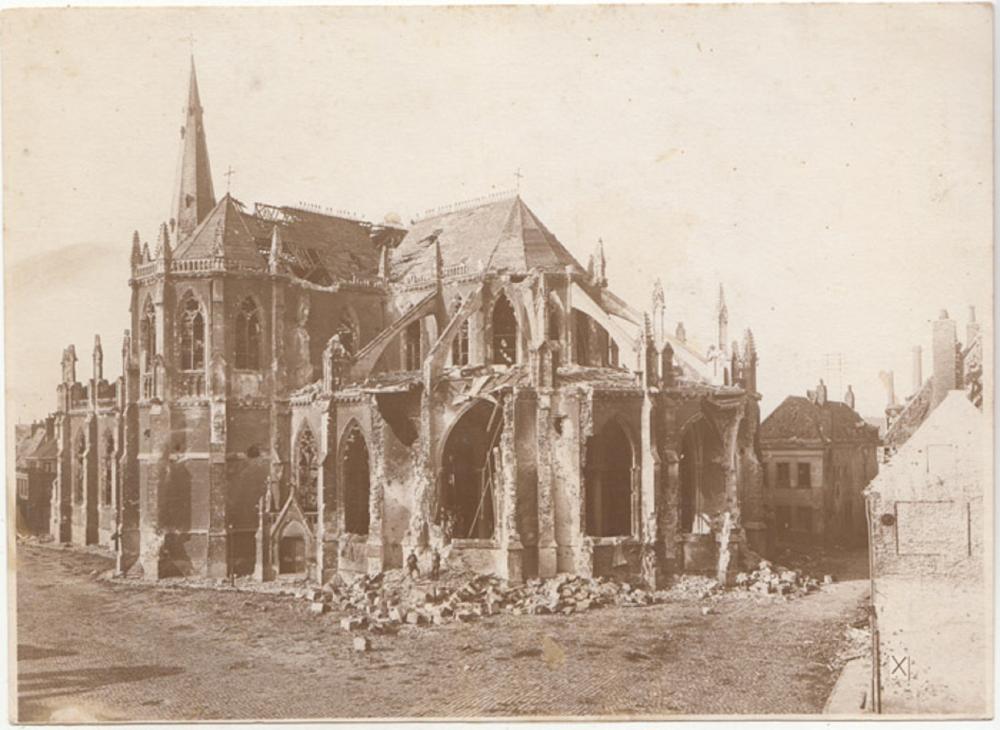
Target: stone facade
(307, 394)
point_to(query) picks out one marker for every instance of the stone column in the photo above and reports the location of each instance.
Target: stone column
(730, 538)
(584, 545)
(650, 491)
(547, 552)
(510, 538)
(376, 494)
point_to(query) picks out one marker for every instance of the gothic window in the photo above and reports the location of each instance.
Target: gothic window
(555, 321)
(581, 338)
(248, 336)
(306, 470)
(192, 334)
(350, 336)
(460, 345)
(608, 482)
(411, 346)
(147, 335)
(79, 465)
(504, 332)
(107, 475)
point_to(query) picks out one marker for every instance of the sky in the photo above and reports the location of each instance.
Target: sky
(831, 166)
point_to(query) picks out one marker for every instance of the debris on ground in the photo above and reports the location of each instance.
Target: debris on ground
(772, 579)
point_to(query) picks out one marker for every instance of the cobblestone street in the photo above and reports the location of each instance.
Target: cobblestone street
(97, 650)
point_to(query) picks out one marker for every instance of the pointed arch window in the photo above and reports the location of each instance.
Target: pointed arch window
(306, 470)
(411, 346)
(349, 331)
(80, 464)
(504, 332)
(555, 321)
(248, 336)
(107, 477)
(460, 345)
(147, 335)
(192, 335)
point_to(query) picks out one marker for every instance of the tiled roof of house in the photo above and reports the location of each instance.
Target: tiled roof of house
(499, 234)
(800, 419)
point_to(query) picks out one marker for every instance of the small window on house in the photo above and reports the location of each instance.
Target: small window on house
(784, 476)
(804, 519)
(805, 476)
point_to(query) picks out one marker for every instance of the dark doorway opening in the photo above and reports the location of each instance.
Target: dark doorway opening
(469, 472)
(608, 482)
(357, 485)
(292, 555)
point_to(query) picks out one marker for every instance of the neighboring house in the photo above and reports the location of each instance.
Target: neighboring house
(35, 472)
(931, 580)
(818, 457)
(305, 393)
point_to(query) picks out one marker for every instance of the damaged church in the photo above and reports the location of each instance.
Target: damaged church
(306, 394)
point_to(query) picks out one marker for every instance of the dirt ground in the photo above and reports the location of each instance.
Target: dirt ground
(92, 650)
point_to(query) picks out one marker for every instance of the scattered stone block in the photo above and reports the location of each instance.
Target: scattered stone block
(317, 608)
(362, 643)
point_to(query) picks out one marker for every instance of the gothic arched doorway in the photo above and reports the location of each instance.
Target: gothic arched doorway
(608, 482)
(703, 488)
(469, 471)
(357, 484)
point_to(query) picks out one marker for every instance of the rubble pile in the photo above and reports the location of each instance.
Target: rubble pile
(771, 579)
(382, 603)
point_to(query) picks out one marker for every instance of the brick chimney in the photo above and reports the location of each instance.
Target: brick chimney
(918, 368)
(849, 397)
(821, 393)
(945, 339)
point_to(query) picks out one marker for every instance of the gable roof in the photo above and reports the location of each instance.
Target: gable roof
(802, 420)
(499, 234)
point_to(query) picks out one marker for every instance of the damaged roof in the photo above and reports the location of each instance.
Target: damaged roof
(800, 419)
(502, 234)
(317, 247)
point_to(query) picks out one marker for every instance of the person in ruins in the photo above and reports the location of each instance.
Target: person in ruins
(435, 564)
(411, 565)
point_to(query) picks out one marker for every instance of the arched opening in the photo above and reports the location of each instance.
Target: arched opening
(248, 336)
(147, 336)
(80, 462)
(411, 346)
(460, 345)
(306, 470)
(192, 335)
(608, 482)
(581, 338)
(469, 468)
(555, 326)
(703, 490)
(107, 475)
(349, 331)
(357, 484)
(504, 327)
(292, 550)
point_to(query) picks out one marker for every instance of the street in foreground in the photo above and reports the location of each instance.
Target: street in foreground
(97, 650)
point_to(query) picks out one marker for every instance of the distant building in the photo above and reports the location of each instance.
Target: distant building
(818, 457)
(35, 455)
(933, 626)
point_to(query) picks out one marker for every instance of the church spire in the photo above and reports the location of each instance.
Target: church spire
(195, 196)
